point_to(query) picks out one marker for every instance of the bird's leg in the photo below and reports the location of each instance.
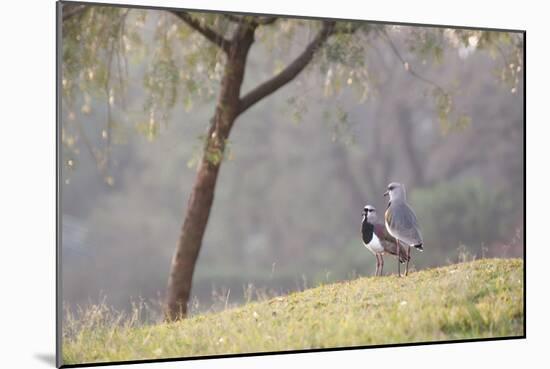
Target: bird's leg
(381, 265)
(377, 265)
(398, 257)
(408, 258)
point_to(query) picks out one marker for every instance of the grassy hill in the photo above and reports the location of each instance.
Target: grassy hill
(476, 299)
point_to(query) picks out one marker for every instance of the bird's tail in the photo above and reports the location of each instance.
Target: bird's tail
(419, 247)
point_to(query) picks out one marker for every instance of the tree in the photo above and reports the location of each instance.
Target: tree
(89, 64)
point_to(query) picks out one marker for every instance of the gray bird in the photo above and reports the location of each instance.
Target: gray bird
(377, 239)
(401, 222)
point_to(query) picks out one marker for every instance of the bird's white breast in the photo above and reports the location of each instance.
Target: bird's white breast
(374, 245)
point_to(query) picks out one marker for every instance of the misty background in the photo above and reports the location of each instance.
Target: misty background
(302, 164)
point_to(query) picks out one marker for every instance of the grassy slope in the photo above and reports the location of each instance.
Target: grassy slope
(477, 299)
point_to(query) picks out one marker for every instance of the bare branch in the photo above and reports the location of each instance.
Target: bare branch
(70, 10)
(290, 72)
(258, 21)
(407, 66)
(204, 30)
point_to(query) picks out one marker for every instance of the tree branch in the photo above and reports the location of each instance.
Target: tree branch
(258, 21)
(289, 73)
(407, 66)
(204, 30)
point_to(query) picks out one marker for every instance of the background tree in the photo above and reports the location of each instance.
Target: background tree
(215, 51)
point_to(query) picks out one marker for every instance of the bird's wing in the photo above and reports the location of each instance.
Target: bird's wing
(382, 233)
(402, 221)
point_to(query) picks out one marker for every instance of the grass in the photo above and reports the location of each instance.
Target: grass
(477, 299)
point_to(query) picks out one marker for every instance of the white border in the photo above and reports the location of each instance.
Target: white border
(27, 199)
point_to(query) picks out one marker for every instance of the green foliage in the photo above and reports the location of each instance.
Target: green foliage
(95, 47)
(102, 43)
(342, 61)
(161, 82)
(214, 155)
(428, 44)
(342, 128)
(196, 153)
(463, 301)
(185, 68)
(462, 212)
(449, 119)
(431, 44)
(505, 47)
(200, 63)
(298, 107)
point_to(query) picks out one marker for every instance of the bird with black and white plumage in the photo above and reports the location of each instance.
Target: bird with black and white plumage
(377, 239)
(401, 221)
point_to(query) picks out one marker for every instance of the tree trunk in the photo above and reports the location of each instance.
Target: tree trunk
(202, 195)
(230, 105)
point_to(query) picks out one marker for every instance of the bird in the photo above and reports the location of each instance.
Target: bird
(401, 221)
(377, 240)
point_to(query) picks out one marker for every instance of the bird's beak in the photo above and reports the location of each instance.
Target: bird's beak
(386, 193)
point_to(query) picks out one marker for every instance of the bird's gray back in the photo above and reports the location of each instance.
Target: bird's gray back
(402, 223)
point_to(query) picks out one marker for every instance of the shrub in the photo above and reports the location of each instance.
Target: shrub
(463, 212)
